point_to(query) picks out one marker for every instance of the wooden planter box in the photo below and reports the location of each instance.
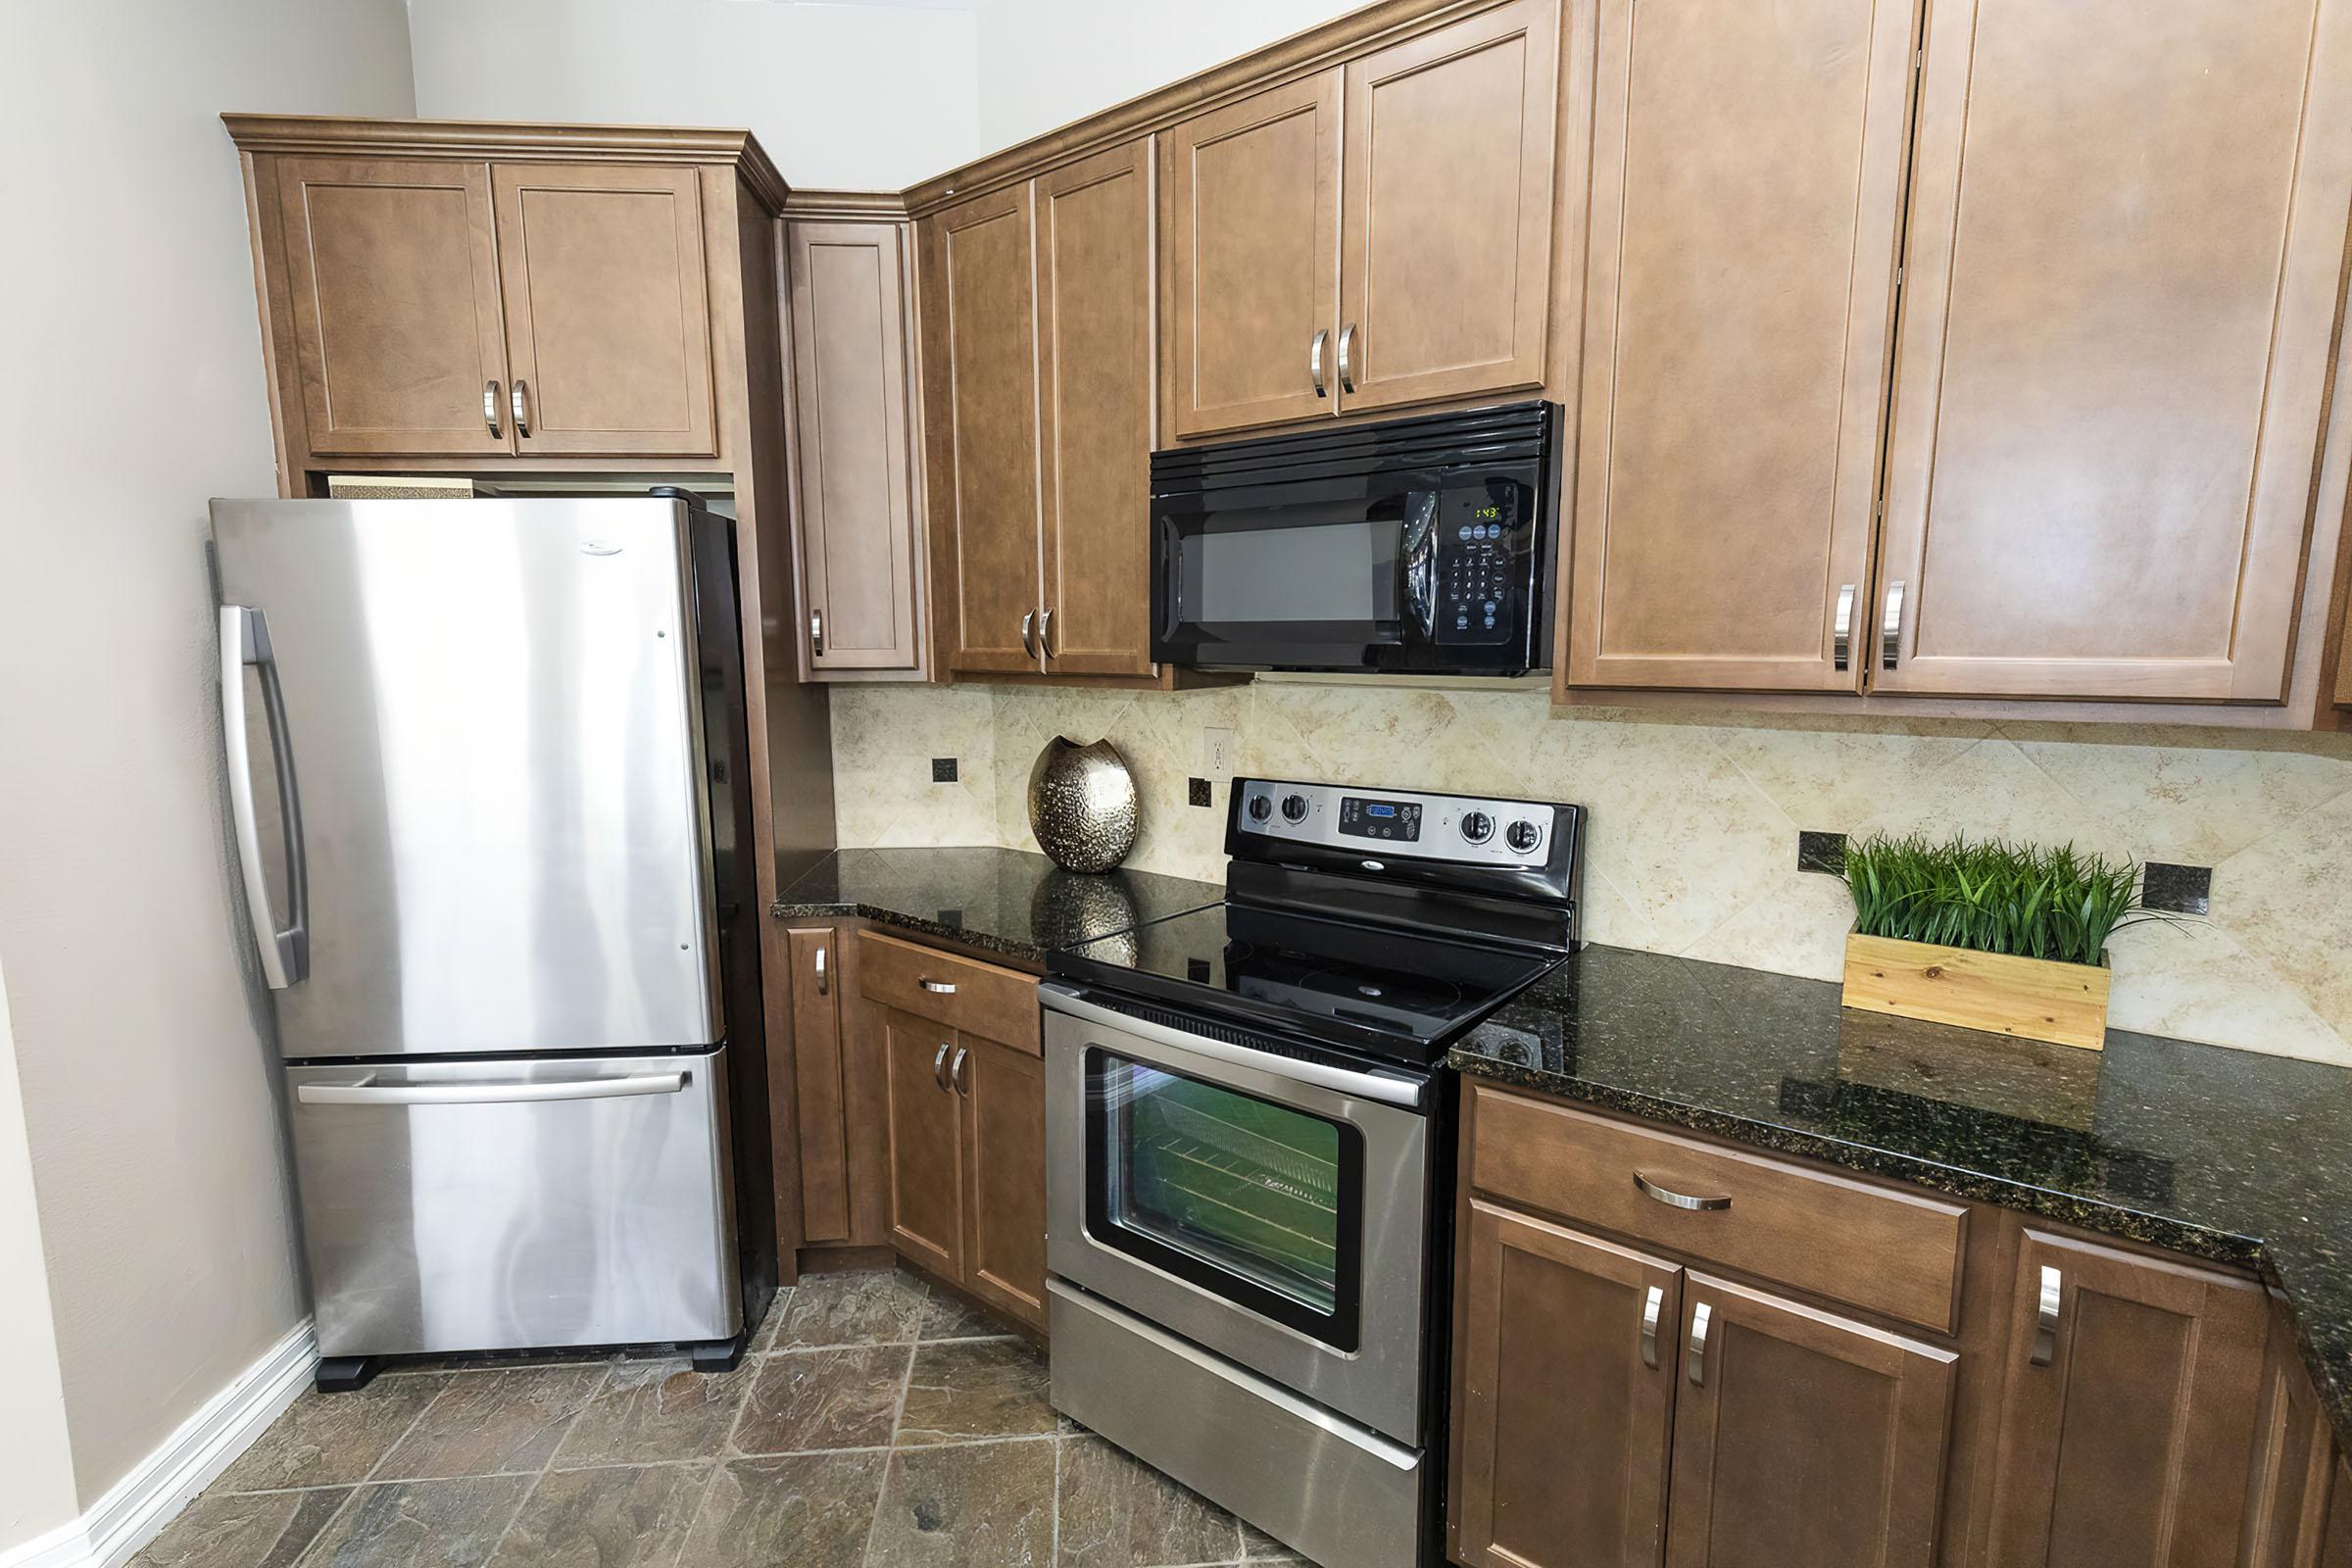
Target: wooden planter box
(2033, 998)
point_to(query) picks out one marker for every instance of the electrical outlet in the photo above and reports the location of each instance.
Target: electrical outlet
(1216, 753)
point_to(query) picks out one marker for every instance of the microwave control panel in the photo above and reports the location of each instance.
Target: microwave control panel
(1480, 557)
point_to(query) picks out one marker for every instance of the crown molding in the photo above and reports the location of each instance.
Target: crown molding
(874, 206)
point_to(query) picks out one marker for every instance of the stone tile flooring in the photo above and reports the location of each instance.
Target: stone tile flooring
(879, 1424)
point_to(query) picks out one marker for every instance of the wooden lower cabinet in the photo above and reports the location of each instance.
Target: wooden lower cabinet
(967, 1161)
(1802, 1437)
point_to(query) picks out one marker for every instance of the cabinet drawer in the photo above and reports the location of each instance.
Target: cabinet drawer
(1870, 1247)
(960, 993)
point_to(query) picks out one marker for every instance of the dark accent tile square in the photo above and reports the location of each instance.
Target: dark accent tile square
(269, 1530)
(1117, 1511)
(420, 1524)
(484, 1423)
(807, 1508)
(810, 1399)
(942, 771)
(2179, 889)
(969, 1505)
(1820, 852)
(326, 1440)
(872, 1306)
(1195, 790)
(968, 1388)
(628, 1517)
(651, 1412)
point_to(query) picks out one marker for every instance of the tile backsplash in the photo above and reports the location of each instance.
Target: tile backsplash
(1695, 815)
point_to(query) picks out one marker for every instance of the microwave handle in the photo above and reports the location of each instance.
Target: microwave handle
(1171, 564)
(1421, 567)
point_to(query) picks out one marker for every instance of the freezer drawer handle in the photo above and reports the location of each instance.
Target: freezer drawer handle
(367, 1092)
(285, 949)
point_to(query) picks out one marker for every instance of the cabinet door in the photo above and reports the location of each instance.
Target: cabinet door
(1446, 240)
(1093, 322)
(608, 309)
(979, 322)
(2115, 354)
(814, 956)
(1748, 195)
(1005, 1140)
(2126, 1429)
(394, 281)
(926, 1145)
(2294, 1462)
(1803, 1438)
(1253, 235)
(854, 460)
(1568, 1369)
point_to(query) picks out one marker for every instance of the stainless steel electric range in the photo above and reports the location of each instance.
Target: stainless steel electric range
(1248, 1138)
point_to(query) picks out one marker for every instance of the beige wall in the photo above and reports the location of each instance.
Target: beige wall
(852, 96)
(1044, 63)
(36, 1472)
(1694, 816)
(134, 391)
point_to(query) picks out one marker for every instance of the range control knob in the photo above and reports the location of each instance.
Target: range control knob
(1262, 807)
(1293, 808)
(1477, 826)
(1521, 836)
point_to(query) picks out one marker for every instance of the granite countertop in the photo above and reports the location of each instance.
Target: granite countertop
(1015, 904)
(2230, 1155)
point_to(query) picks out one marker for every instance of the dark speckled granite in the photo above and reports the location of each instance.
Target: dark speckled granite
(1014, 903)
(2226, 1154)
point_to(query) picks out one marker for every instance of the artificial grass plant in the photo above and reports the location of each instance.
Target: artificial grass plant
(1993, 896)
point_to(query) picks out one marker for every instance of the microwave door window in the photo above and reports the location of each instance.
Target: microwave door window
(1295, 582)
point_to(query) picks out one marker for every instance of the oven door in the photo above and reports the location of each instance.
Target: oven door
(1223, 1193)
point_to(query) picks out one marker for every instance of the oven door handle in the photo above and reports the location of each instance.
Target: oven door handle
(1390, 1088)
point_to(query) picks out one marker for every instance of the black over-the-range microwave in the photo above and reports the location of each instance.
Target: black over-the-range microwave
(1420, 546)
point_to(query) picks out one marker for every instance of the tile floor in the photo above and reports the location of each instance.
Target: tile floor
(879, 1424)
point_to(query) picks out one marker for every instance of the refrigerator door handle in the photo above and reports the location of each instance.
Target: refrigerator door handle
(367, 1092)
(285, 949)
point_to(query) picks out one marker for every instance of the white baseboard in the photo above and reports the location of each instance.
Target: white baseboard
(134, 1511)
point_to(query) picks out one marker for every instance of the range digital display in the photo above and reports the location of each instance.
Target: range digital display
(1367, 818)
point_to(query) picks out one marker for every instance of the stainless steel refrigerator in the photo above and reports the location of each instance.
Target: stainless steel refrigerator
(486, 763)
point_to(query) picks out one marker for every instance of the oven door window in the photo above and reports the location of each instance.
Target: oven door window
(1258, 1203)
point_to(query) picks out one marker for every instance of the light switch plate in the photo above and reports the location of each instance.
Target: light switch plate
(1216, 753)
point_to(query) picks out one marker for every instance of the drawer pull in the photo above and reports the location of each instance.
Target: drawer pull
(1650, 1305)
(2046, 1316)
(1695, 1362)
(938, 988)
(1675, 1200)
(939, 1067)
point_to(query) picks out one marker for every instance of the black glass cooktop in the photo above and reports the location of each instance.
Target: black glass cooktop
(1398, 994)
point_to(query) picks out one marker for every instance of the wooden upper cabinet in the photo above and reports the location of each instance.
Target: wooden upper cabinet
(2127, 1423)
(1445, 239)
(392, 273)
(979, 322)
(855, 454)
(608, 309)
(1093, 324)
(1747, 202)
(1553, 1322)
(1803, 1438)
(2115, 355)
(1252, 194)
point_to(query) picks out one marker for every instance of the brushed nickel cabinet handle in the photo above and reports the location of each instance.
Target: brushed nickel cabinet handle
(824, 982)
(1346, 370)
(1314, 360)
(1045, 632)
(939, 1066)
(2046, 1316)
(1842, 642)
(515, 396)
(490, 407)
(938, 988)
(1651, 1305)
(1029, 634)
(817, 631)
(957, 1076)
(1694, 1361)
(1891, 630)
(1674, 1200)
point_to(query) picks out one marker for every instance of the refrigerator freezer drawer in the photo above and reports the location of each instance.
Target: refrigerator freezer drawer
(477, 1206)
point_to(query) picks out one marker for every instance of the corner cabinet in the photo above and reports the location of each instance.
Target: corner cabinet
(1406, 258)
